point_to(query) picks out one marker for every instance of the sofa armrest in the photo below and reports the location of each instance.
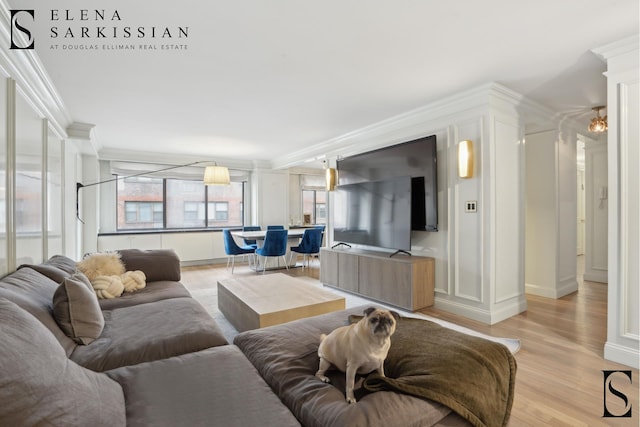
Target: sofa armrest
(156, 264)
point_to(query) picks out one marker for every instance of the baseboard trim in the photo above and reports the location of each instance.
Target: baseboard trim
(596, 277)
(561, 290)
(193, 263)
(623, 355)
(502, 312)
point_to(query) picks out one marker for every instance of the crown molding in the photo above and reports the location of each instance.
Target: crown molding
(82, 131)
(617, 48)
(170, 159)
(396, 129)
(429, 119)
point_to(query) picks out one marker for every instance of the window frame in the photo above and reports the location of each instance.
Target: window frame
(209, 223)
(314, 219)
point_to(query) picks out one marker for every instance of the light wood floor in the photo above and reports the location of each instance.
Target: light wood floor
(559, 380)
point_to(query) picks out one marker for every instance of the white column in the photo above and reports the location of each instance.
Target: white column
(623, 110)
(551, 214)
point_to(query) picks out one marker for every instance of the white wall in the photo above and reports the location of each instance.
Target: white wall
(623, 110)
(270, 189)
(479, 256)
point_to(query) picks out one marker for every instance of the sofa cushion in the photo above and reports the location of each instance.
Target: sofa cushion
(156, 264)
(148, 332)
(62, 262)
(154, 291)
(101, 264)
(40, 386)
(209, 387)
(50, 271)
(55, 268)
(33, 292)
(286, 356)
(76, 309)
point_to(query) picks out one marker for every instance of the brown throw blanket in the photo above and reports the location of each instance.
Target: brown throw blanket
(472, 376)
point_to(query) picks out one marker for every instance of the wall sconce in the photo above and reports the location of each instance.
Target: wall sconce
(331, 178)
(465, 159)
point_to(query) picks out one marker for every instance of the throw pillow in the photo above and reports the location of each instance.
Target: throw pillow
(101, 264)
(133, 280)
(107, 287)
(39, 385)
(76, 309)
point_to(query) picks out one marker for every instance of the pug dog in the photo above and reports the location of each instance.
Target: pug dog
(358, 348)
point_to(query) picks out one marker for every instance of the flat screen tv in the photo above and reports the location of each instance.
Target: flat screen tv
(374, 213)
(416, 159)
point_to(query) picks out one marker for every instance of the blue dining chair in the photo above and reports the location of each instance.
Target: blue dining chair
(251, 242)
(275, 227)
(233, 249)
(275, 245)
(320, 227)
(309, 245)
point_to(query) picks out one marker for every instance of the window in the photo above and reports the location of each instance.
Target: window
(143, 214)
(185, 203)
(155, 203)
(225, 208)
(219, 211)
(314, 203)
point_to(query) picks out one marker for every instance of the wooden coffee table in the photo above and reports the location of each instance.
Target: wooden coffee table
(258, 301)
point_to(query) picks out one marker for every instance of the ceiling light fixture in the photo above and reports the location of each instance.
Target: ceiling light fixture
(598, 124)
(216, 175)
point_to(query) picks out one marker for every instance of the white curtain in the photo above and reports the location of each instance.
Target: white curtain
(312, 182)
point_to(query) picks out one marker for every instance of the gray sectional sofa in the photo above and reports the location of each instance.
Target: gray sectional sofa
(160, 359)
(155, 357)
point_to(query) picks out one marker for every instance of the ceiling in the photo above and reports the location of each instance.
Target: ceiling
(256, 80)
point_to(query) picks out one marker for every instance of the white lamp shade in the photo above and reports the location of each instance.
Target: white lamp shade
(216, 175)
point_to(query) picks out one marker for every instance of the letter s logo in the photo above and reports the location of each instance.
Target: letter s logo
(609, 389)
(18, 27)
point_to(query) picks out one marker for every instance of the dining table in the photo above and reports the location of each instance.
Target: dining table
(293, 238)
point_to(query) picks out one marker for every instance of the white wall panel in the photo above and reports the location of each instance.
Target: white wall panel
(468, 225)
(129, 241)
(191, 246)
(567, 213)
(273, 198)
(507, 211)
(630, 208)
(540, 206)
